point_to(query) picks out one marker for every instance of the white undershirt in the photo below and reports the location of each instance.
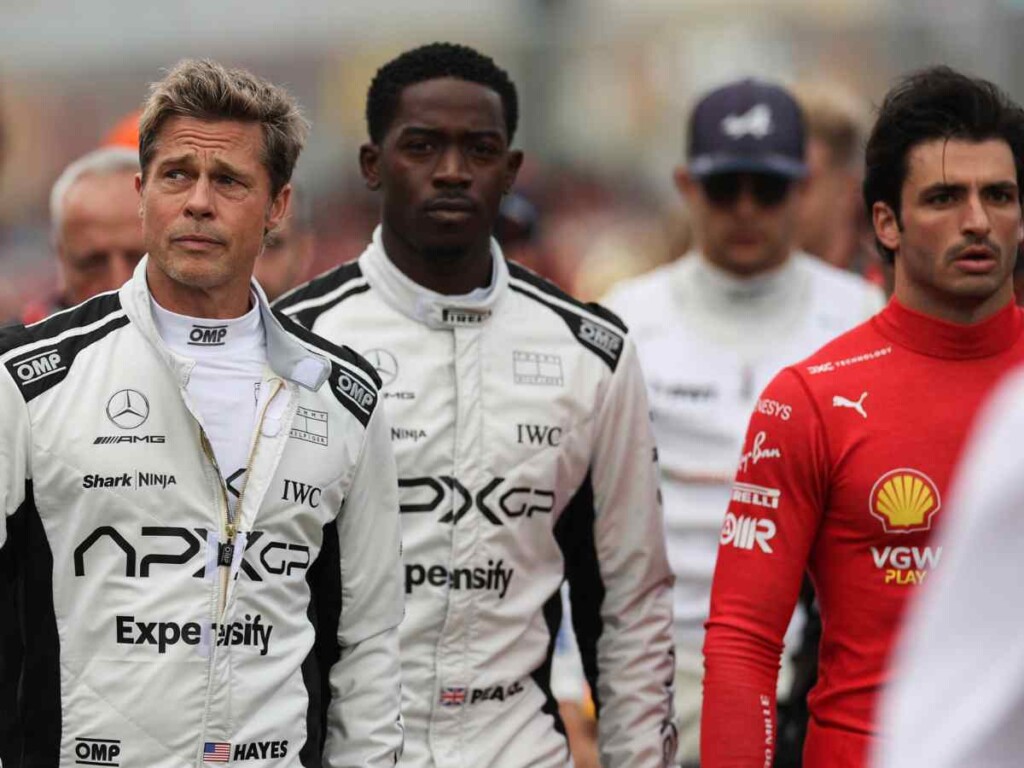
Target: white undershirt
(230, 356)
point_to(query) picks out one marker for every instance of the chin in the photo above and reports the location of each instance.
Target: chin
(197, 273)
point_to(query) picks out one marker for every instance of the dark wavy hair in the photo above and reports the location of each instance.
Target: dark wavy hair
(429, 62)
(934, 103)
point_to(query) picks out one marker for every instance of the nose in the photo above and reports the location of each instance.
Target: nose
(200, 199)
(975, 221)
(452, 170)
(746, 203)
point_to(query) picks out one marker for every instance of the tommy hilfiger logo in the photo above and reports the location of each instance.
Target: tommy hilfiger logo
(537, 369)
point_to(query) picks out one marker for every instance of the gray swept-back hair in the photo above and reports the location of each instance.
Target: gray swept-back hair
(206, 90)
(106, 161)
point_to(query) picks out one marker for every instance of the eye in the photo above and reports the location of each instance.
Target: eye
(419, 146)
(942, 198)
(174, 174)
(226, 180)
(1002, 196)
(486, 149)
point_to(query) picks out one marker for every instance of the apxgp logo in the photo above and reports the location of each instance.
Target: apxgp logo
(207, 335)
(428, 494)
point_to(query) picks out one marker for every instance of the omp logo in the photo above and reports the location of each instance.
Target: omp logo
(600, 338)
(260, 750)
(768, 407)
(89, 751)
(39, 366)
(756, 495)
(180, 547)
(745, 532)
(128, 408)
(310, 425)
(536, 368)
(494, 578)
(905, 500)
(429, 494)
(906, 566)
(361, 395)
(207, 335)
(756, 122)
(538, 434)
(251, 633)
(301, 493)
(463, 316)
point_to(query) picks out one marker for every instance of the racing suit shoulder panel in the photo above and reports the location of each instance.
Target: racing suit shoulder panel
(38, 357)
(519, 272)
(341, 352)
(307, 302)
(773, 517)
(590, 327)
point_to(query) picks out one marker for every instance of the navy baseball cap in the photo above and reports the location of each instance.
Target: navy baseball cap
(748, 126)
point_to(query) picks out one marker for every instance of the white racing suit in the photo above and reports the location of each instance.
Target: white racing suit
(157, 633)
(525, 457)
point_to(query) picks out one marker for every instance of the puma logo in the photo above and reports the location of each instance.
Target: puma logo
(838, 401)
(756, 121)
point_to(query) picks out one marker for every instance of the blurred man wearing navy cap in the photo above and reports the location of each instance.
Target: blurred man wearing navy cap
(715, 326)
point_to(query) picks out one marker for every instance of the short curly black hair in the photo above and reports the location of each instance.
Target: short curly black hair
(935, 103)
(429, 62)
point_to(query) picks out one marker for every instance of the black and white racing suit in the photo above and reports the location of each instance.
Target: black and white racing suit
(157, 633)
(525, 457)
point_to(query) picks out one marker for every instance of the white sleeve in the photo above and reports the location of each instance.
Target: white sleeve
(629, 583)
(14, 452)
(957, 691)
(364, 725)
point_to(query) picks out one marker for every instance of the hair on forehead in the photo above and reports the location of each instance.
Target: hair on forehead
(206, 90)
(430, 62)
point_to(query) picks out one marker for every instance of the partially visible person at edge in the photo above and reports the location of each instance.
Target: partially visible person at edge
(521, 432)
(832, 223)
(849, 454)
(956, 697)
(95, 228)
(714, 327)
(287, 255)
(199, 496)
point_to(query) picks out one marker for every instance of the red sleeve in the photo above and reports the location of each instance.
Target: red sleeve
(775, 508)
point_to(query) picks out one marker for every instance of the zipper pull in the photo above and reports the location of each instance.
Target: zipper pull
(231, 530)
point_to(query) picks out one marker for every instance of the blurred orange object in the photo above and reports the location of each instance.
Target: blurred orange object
(125, 133)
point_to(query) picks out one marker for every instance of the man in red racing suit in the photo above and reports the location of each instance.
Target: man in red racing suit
(848, 454)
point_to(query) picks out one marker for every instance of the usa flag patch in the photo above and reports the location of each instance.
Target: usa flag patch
(216, 752)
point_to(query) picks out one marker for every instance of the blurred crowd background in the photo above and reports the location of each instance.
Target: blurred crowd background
(604, 87)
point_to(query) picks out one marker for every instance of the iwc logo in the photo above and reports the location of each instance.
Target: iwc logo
(128, 408)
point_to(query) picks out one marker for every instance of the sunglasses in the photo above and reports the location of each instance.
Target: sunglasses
(767, 189)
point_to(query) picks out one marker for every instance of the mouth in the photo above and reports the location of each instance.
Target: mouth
(197, 241)
(976, 259)
(450, 209)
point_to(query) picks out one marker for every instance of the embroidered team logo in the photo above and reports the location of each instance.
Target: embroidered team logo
(905, 500)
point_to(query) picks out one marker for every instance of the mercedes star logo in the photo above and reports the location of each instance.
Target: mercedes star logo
(128, 408)
(383, 363)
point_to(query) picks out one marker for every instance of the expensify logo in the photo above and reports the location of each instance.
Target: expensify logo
(251, 633)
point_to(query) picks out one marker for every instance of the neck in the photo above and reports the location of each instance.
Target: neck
(449, 272)
(962, 310)
(222, 302)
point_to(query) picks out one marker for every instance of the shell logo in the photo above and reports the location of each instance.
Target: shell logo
(905, 500)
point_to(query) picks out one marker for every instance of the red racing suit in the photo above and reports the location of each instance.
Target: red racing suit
(844, 473)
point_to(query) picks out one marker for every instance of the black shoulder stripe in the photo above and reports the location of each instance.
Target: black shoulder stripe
(86, 313)
(326, 283)
(43, 367)
(519, 272)
(604, 343)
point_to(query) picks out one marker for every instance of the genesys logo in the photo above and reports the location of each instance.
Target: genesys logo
(768, 407)
(249, 633)
(136, 480)
(745, 532)
(161, 547)
(92, 751)
(905, 566)
(458, 696)
(495, 577)
(905, 500)
(494, 501)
